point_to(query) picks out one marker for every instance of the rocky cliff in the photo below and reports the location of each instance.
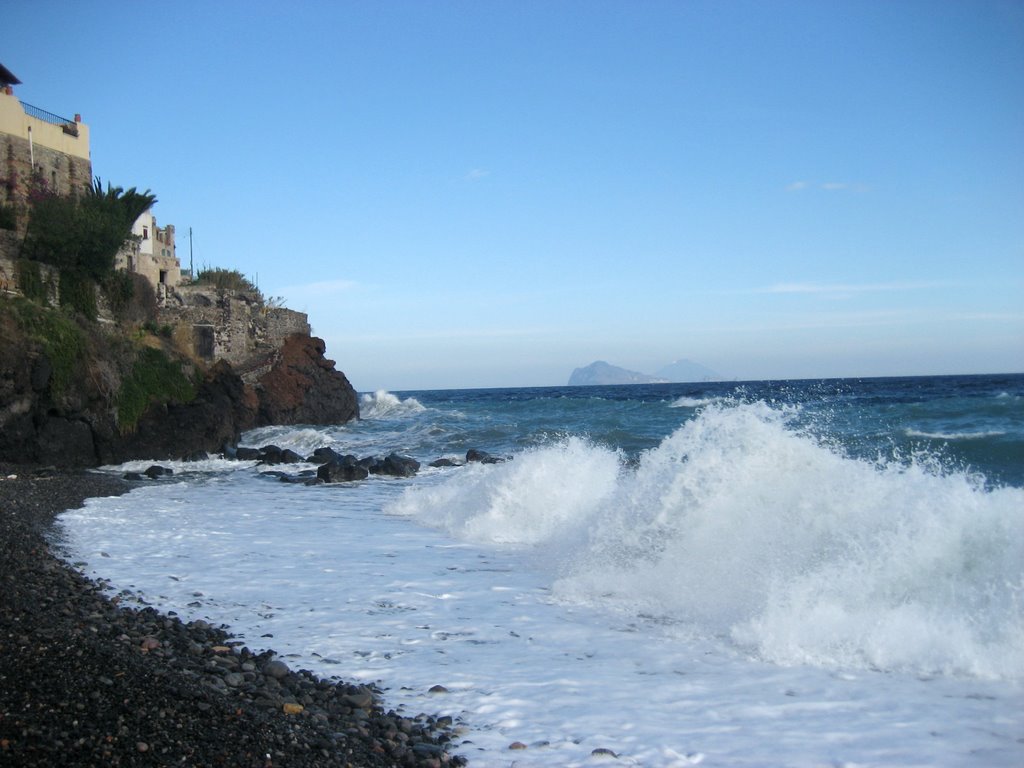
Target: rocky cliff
(302, 387)
(75, 393)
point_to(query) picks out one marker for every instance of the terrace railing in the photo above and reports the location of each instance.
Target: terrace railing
(70, 126)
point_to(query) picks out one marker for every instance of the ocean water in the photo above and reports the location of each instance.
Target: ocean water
(756, 574)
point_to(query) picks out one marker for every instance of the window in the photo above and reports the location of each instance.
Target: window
(145, 233)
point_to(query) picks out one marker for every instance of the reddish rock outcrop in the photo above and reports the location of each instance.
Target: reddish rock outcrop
(303, 387)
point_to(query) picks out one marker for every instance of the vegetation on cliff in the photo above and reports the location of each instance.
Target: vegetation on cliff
(80, 235)
(61, 338)
(84, 392)
(225, 280)
(154, 377)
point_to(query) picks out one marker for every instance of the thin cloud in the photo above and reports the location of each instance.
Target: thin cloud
(475, 174)
(822, 321)
(458, 333)
(841, 288)
(999, 317)
(827, 186)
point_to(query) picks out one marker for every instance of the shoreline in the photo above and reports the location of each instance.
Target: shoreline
(85, 681)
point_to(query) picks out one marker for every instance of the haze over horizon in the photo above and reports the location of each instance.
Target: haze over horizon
(484, 194)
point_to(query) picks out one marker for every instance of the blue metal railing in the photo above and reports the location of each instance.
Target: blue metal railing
(69, 126)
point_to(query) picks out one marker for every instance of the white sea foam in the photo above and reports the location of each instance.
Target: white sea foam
(212, 465)
(953, 435)
(737, 525)
(384, 405)
(695, 402)
(302, 440)
(544, 495)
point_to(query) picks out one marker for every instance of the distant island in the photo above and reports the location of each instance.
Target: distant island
(602, 373)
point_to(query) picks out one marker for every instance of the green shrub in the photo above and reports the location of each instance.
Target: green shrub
(154, 378)
(225, 279)
(82, 232)
(60, 336)
(30, 281)
(78, 291)
(119, 288)
(8, 217)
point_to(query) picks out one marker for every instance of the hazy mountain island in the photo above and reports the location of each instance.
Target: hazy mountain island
(602, 373)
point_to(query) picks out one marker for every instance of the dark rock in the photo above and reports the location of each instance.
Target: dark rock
(246, 454)
(323, 455)
(396, 465)
(70, 439)
(303, 387)
(42, 370)
(276, 669)
(483, 457)
(372, 464)
(444, 463)
(270, 454)
(341, 471)
(220, 412)
(156, 471)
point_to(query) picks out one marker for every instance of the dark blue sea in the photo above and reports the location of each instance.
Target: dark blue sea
(969, 424)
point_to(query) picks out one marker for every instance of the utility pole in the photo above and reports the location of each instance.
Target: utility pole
(191, 275)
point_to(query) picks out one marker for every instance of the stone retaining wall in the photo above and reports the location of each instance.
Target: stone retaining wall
(235, 326)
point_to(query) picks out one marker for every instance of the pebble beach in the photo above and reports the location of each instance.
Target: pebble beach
(86, 681)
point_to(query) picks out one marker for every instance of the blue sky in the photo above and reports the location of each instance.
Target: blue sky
(472, 194)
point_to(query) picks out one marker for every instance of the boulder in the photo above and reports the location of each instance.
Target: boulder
(396, 465)
(444, 462)
(341, 471)
(303, 387)
(323, 456)
(483, 457)
(272, 454)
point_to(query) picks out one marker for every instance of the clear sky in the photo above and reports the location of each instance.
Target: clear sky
(471, 194)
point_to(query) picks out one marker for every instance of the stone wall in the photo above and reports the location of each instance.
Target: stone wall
(235, 326)
(57, 157)
(9, 271)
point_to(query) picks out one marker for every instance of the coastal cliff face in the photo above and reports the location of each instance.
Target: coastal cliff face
(75, 394)
(302, 387)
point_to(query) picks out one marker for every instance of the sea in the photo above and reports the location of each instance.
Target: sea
(773, 573)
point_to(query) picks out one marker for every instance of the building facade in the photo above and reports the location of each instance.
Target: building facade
(151, 253)
(38, 149)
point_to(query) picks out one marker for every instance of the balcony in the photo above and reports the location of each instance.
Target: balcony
(69, 127)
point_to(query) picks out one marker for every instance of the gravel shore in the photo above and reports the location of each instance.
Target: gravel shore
(84, 681)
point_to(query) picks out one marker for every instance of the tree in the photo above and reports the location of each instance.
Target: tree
(83, 233)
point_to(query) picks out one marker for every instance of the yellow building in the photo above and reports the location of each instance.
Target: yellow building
(38, 147)
(42, 151)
